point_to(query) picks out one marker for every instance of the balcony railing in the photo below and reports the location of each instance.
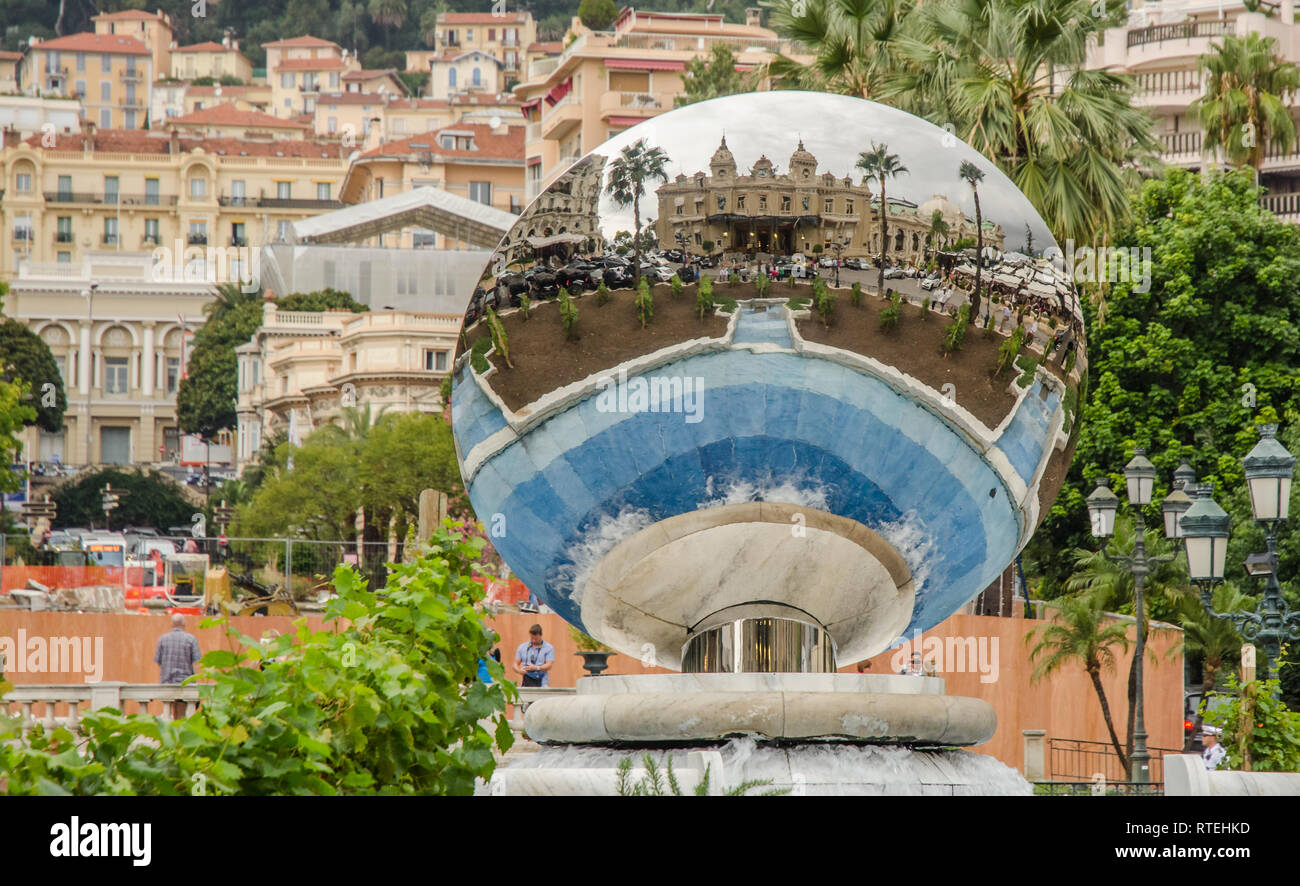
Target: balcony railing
(23, 235)
(697, 42)
(109, 239)
(1166, 82)
(63, 237)
(197, 239)
(1181, 143)
(281, 202)
(1179, 31)
(110, 199)
(1285, 205)
(238, 241)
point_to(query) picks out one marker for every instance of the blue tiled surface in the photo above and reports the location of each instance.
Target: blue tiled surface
(1025, 438)
(806, 425)
(762, 326)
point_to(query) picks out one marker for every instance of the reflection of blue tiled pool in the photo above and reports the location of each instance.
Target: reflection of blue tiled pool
(776, 427)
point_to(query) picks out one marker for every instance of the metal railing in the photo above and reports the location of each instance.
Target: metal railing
(1078, 760)
(110, 198)
(1098, 789)
(1179, 31)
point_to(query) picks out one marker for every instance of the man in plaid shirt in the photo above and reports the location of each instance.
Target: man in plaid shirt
(176, 653)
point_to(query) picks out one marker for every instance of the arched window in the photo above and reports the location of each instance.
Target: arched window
(478, 77)
(451, 78)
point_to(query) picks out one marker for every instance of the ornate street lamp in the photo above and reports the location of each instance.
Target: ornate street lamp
(1177, 502)
(1268, 469)
(1139, 479)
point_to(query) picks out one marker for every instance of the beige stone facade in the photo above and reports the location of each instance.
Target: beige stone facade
(767, 210)
(1160, 46)
(565, 220)
(111, 74)
(133, 191)
(300, 69)
(604, 82)
(214, 60)
(119, 352)
(302, 369)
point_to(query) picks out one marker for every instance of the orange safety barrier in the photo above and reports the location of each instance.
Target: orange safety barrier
(56, 577)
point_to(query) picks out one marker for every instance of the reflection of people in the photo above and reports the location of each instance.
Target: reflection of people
(1214, 753)
(534, 658)
(915, 669)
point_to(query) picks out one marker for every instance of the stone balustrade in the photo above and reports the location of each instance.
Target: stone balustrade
(42, 703)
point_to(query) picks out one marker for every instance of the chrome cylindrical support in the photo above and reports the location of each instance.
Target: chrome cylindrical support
(758, 638)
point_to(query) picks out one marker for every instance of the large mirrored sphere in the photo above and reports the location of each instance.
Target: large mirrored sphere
(731, 361)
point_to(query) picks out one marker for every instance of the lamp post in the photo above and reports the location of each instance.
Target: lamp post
(838, 246)
(1139, 478)
(89, 295)
(1268, 469)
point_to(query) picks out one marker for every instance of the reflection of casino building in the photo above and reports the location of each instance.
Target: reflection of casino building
(563, 220)
(786, 213)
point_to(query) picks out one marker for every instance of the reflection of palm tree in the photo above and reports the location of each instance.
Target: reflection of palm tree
(635, 165)
(1245, 80)
(972, 175)
(938, 231)
(1082, 636)
(881, 165)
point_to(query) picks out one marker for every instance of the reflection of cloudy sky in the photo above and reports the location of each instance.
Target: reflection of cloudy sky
(835, 129)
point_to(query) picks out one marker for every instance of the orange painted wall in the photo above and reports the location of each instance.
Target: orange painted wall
(1064, 704)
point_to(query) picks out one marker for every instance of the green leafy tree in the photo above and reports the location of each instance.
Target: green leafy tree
(1216, 641)
(939, 230)
(152, 499)
(890, 316)
(598, 15)
(675, 286)
(956, 331)
(14, 415)
(629, 172)
(881, 165)
(1244, 108)
(712, 76)
(824, 302)
(1189, 364)
(499, 340)
(704, 296)
(1082, 636)
(385, 700)
(24, 356)
(1260, 734)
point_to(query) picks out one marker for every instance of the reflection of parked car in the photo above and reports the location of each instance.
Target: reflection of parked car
(656, 272)
(857, 264)
(579, 275)
(688, 273)
(616, 272)
(675, 255)
(893, 273)
(542, 282)
(931, 282)
(827, 261)
(706, 261)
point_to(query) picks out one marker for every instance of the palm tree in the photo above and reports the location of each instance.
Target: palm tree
(973, 175)
(635, 165)
(1216, 640)
(1244, 106)
(881, 165)
(390, 14)
(850, 39)
(1109, 586)
(939, 230)
(1081, 635)
(229, 297)
(1008, 76)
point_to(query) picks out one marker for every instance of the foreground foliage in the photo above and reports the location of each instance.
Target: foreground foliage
(385, 701)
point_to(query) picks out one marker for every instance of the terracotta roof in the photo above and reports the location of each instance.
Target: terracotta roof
(119, 44)
(351, 98)
(310, 64)
(126, 15)
(555, 47)
(483, 98)
(10, 56)
(210, 46)
(454, 54)
(479, 18)
(367, 75)
(418, 104)
(226, 114)
(508, 146)
(294, 42)
(225, 90)
(139, 141)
